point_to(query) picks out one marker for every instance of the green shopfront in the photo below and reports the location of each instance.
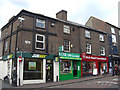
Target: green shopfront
(69, 66)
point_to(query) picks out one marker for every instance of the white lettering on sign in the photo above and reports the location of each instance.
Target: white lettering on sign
(91, 57)
(35, 55)
(69, 55)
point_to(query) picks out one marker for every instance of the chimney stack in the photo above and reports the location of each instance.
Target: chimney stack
(62, 15)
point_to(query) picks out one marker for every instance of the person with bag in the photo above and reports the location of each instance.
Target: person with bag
(116, 69)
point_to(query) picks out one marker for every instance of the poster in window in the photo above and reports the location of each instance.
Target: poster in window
(32, 65)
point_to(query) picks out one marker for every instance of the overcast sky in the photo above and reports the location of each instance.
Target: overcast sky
(79, 11)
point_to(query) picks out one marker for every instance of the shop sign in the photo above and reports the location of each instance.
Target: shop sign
(72, 56)
(61, 48)
(38, 56)
(8, 57)
(90, 57)
(56, 59)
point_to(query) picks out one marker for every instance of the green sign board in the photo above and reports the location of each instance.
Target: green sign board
(6, 57)
(60, 48)
(72, 56)
(28, 55)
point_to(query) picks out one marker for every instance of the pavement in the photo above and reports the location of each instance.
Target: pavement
(51, 84)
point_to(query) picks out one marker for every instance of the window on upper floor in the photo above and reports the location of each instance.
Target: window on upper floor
(88, 48)
(113, 38)
(40, 23)
(87, 34)
(119, 33)
(6, 45)
(40, 42)
(102, 51)
(112, 30)
(101, 37)
(67, 45)
(66, 29)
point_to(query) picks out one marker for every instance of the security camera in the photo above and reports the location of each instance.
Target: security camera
(21, 19)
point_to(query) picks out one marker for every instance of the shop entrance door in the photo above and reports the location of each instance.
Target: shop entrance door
(49, 70)
(99, 68)
(75, 68)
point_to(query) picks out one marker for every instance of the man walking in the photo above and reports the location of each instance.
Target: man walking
(116, 69)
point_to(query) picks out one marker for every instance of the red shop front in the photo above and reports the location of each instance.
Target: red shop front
(94, 65)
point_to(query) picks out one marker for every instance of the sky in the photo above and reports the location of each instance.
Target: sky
(79, 11)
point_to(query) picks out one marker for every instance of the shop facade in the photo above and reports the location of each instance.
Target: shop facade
(94, 65)
(113, 60)
(69, 66)
(33, 68)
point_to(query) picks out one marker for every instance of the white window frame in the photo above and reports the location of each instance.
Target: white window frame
(87, 34)
(112, 30)
(67, 45)
(88, 48)
(40, 42)
(6, 46)
(101, 37)
(113, 38)
(102, 51)
(41, 22)
(66, 29)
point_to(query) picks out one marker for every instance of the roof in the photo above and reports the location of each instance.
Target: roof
(103, 22)
(69, 22)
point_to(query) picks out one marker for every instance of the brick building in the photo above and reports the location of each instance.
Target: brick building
(113, 38)
(41, 49)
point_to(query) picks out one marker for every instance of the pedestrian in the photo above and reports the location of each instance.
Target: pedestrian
(116, 69)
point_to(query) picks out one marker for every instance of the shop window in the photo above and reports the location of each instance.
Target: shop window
(88, 48)
(112, 30)
(113, 38)
(40, 23)
(67, 45)
(88, 67)
(66, 29)
(103, 68)
(119, 33)
(33, 69)
(102, 51)
(40, 41)
(101, 37)
(65, 66)
(87, 34)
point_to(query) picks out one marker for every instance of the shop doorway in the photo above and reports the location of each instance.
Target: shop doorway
(49, 70)
(99, 68)
(74, 68)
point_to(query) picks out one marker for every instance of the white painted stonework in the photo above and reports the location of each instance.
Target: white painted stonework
(56, 71)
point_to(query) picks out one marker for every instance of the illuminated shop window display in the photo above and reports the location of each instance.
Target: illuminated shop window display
(65, 66)
(88, 67)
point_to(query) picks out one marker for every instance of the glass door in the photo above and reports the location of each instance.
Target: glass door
(75, 68)
(49, 70)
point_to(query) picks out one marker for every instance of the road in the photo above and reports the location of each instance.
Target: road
(107, 82)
